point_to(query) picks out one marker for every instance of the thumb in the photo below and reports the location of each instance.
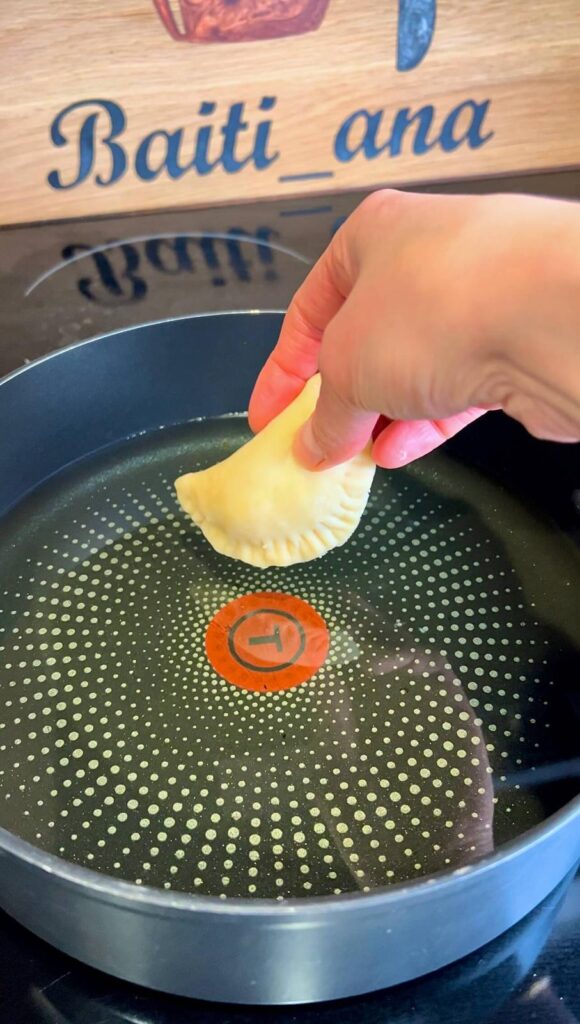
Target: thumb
(336, 431)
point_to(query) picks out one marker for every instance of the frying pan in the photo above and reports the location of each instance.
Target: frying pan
(411, 800)
(478, 985)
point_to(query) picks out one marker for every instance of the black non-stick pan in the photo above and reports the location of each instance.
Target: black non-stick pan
(290, 827)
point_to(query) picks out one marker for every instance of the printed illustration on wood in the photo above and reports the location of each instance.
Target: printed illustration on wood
(236, 21)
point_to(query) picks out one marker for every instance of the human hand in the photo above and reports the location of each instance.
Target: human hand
(425, 311)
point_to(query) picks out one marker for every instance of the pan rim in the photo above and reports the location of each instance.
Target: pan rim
(105, 887)
(12, 374)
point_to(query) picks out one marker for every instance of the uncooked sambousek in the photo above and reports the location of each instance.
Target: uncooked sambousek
(262, 507)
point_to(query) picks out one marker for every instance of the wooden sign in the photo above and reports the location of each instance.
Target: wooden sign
(148, 104)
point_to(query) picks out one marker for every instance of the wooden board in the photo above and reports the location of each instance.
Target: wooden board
(103, 111)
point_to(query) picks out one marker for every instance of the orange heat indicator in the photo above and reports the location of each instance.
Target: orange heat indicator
(267, 642)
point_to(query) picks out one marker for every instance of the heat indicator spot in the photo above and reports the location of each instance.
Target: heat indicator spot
(267, 642)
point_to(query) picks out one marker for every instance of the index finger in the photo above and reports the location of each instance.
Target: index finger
(295, 358)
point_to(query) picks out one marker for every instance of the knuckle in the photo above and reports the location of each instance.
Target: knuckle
(537, 420)
(324, 431)
(298, 313)
(377, 211)
(380, 200)
(331, 437)
(336, 367)
(384, 204)
(340, 262)
(441, 430)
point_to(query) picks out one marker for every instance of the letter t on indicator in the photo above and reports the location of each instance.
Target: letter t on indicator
(273, 638)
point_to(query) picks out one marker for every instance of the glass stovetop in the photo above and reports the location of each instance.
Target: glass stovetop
(61, 283)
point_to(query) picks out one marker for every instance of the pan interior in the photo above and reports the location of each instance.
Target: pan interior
(440, 725)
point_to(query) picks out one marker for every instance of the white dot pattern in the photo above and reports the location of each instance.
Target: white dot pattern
(121, 748)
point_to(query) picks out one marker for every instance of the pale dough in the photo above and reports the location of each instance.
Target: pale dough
(260, 505)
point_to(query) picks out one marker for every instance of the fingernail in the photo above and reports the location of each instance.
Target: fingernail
(307, 449)
(397, 459)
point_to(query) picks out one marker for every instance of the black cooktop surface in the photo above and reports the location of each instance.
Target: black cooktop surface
(61, 283)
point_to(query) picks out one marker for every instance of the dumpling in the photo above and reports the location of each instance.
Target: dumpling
(262, 507)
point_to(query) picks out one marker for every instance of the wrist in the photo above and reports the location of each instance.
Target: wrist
(530, 314)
